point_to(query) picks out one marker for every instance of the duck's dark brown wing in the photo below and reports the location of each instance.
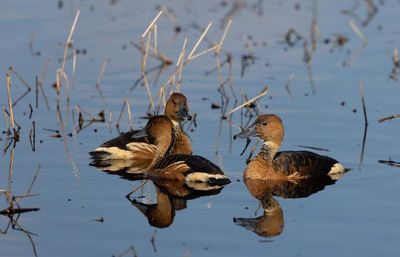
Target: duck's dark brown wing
(303, 163)
(122, 140)
(122, 147)
(196, 163)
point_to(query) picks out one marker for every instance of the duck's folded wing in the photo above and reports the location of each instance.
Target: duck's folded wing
(194, 162)
(122, 140)
(303, 163)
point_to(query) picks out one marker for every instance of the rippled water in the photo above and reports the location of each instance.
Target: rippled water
(356, 216)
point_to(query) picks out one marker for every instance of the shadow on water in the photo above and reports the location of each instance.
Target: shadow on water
(271, 222)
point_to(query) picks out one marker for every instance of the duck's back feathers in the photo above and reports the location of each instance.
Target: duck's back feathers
(303, 164)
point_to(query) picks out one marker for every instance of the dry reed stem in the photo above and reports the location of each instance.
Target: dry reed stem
(10, 105)
(152, 23)
(109, 121)
(5, 118)
(74, 69)
(160, 56)
(9, 180)
(23, 81)
(146, 83)
(69, 38)
(155, 38)
(357, 31)
(199, 41)
(127, 105)
(221, 42)
(180, 63)
(394, 116)
(261, 94)
(75, 170)
(40, 82)
(161, 98)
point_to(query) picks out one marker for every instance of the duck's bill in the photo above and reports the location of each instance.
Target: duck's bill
(249, 132)
(140, 133)
(183, 113)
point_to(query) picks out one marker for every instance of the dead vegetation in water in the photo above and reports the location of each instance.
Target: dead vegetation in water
(12, 208)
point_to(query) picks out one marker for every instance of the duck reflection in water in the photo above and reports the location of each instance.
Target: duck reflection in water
(271, 222)
(171, 196)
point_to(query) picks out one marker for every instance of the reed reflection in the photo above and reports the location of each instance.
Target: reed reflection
(271, 222)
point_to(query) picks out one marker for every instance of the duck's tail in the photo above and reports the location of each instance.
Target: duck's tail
(337, 171)
(212, 179)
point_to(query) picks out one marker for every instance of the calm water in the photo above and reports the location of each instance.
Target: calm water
(357, 216)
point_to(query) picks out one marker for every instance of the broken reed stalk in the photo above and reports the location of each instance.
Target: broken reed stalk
(23, 81)
(40, 82)
(357, 31)
(127, 105)
(290, 79)
(394, 116)
(152, 23)
(61, 71)
(28, 191)
(190, 56)
(261, 94)
(160, 56)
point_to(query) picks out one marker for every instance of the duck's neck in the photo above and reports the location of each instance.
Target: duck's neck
(164, 148)
(267, 152)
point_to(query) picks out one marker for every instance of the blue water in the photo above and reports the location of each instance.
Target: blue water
(357, 216)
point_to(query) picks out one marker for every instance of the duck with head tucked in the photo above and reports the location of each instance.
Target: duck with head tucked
(136, 145)
(271, 164)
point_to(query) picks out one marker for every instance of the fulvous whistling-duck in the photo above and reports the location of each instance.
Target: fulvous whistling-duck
(147, 146)
(129, 144)
(271, 164)
(189, 168)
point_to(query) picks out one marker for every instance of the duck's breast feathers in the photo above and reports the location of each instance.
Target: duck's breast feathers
(194, 162)
(303, 163)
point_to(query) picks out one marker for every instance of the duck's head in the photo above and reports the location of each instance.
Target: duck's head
(177, 108)
(268, 127)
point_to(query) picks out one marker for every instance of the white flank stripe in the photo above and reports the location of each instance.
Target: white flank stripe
(203, 177)
(115, 153)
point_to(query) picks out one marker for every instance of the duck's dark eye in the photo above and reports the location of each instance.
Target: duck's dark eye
(264, 124)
